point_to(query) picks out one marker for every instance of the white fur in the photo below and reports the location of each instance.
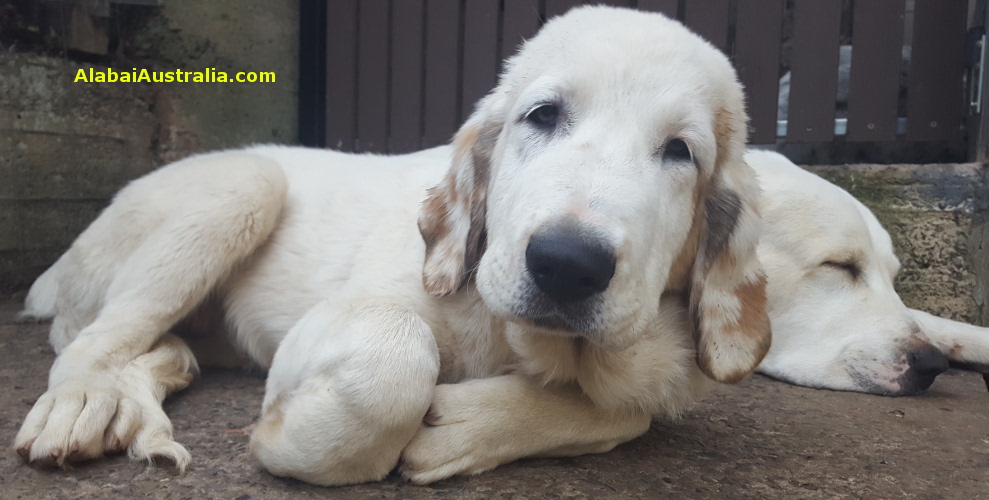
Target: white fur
(829, 330)
(316, 264)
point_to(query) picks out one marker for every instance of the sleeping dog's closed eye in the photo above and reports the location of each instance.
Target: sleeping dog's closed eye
(852, 268)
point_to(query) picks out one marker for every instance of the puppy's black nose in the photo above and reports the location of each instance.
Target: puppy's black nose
(928, 361)
(568, 264)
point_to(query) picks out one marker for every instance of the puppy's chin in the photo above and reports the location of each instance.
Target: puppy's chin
(589, 319)
(553, 325)
(576, 328)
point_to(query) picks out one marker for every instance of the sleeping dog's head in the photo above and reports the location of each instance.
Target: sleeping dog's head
(604, 170)
(838, 322)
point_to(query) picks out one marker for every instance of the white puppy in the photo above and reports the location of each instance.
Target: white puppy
(837, 321)
(587, 251)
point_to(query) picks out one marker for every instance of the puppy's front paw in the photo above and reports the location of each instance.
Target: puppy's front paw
(463, 433)
(87, 418)
(77, 421)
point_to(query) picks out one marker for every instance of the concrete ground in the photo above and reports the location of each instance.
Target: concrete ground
(759, 439)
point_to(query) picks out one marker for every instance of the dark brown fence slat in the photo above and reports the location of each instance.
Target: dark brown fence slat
(877, 38)
(935, 109)
(441, 78)
(480, 52)
(557, 7)
(520, 22)
(614, 3)
(709, 19)
(814, 67)
(668, 7)
(341, 64)
(406, 76)
(372, 76)
(758, 32)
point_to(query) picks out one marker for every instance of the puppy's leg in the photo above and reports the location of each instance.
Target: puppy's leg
(964, 345)
(347, 390)
(145, 382)
(476, 425)
(150, 258)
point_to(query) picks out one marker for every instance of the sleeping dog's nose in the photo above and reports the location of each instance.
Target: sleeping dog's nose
(927, 361)
(568, 264)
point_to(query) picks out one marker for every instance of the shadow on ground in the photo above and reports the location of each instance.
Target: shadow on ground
(759, 439)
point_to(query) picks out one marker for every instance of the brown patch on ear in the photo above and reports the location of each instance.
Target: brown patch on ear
(452, 218)
(433, 217)
(746, 336)
(434, 227)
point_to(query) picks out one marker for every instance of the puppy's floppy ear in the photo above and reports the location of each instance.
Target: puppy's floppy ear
(452, 218)
(728, 286)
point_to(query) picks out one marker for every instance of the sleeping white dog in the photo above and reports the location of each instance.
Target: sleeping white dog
(837, 321)
(585, 259)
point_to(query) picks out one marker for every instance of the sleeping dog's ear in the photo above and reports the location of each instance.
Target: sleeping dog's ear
(452, 218)
(728, 286)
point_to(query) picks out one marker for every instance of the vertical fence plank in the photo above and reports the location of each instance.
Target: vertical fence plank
(520, 22)
(372, 76)
(406, 76)
(442, 73)
(877, 39)
(341, 65)
(709, 19)
(480, 52)
(312, 74)
(667, 7)
(557, 7)
(935, 110)
(758, 33)
(814, 70)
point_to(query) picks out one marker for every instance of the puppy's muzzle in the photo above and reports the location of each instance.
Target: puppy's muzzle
(569, 264)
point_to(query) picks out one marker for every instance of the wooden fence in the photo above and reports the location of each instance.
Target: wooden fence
(400, 75)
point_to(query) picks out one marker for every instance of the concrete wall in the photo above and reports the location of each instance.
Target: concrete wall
(66, 147)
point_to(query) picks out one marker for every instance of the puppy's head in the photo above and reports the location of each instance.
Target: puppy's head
(837, 320)
(604, 170)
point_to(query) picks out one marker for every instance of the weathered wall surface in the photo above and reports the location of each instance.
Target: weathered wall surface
(66, 147)
(935, 216)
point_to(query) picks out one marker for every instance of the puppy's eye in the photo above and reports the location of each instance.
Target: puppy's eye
(544, 116)
(851, 268)
(676, 150)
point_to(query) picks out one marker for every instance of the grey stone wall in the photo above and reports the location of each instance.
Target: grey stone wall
(66, 147)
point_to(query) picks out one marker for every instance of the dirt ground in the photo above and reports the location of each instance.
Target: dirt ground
(759, 439)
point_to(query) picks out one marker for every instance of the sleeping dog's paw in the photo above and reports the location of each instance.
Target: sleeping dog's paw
(465, 431)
